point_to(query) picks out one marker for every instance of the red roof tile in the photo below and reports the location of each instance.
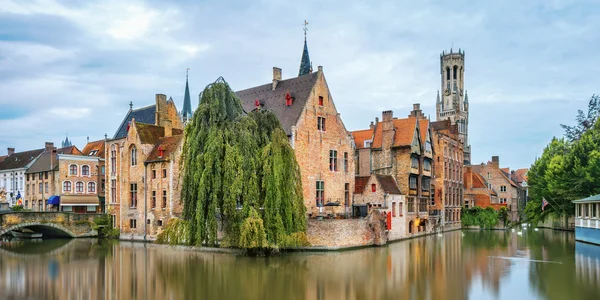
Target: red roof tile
(423, 127)
(95, 148)
(403, 136)
(360, 136)
(168, 145)
(360, 182)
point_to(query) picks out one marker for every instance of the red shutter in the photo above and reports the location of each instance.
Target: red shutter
(389, 221)
(373, 188)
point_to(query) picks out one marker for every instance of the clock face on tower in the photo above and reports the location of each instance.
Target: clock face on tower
(447, 92)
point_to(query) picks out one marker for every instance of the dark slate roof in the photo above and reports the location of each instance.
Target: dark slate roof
(187, 103)
(305, 67)
(168, 144)
(42, 164)
(19, 159)
(388, 184)
(142, 115)
(274, 100)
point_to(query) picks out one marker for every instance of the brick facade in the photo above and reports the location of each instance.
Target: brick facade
(501, 184)
(478, 191)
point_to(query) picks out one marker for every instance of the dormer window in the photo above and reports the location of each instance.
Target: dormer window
(320, 100)
(288, 99)
(373, 188)
(161, 151)
(368, 143)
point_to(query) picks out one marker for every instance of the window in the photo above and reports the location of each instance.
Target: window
(132, 223)
(346, 194)
(32, 178)
(594, 211)
(79, 187)
(345, 161)
(425, 183)
(320, 100)
(411, 205)
(102, 185)
(159, 223)
(133, 156)
(428, 146)
(321, 123)
(46, 187)
(580, 210)
(113, 159)
(153, 174)
(41, 188)
(400, 209)
(489, 175)
(373, 187)
(41, 175)
(67, 186)
(164, 199)
(91, 187)
(113, 191)
(27, 177)
(454, 72)
(320, 196)
(427, 165)
(333, 160)
(72, 170)
(447, 73)
(164, 173)
(103, 170)
(153, 205)
(113, 221)
(412, 182)
(503, 188)
(27, 189)
(85, 170)
(45, 175)
(414, 163)
(133, 194)
(393, 209)
(502, 200)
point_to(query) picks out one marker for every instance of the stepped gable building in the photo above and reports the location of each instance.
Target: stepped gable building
(97, 149)
(142, 170)
(12, 174)
(453, 104)
(499, 180)
(478, 192)
(401, 148)
(448, 161)
(323, 147)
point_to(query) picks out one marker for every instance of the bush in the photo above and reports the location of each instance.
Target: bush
(103, 225)
(19, 208)
(477, 216)
(252, 234)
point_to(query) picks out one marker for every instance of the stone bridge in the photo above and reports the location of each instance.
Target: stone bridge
(50, 224)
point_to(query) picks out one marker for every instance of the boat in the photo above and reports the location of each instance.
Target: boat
(25, 234)
(587, 220)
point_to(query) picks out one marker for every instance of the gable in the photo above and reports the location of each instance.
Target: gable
(143, 115)
(415, 146)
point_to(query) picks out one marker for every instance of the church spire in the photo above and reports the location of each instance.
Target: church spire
(187, 104)
(305, 65)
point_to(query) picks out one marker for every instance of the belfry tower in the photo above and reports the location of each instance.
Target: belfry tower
(453, 103)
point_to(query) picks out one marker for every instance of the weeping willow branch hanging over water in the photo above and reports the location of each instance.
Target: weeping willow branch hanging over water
(237, 168)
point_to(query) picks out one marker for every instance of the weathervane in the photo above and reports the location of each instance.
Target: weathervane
(305, 29)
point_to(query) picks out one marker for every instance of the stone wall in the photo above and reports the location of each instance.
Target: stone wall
(78, 225)
(339, 233)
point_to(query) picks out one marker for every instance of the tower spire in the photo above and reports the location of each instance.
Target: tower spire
(187, 103)
(305, 61)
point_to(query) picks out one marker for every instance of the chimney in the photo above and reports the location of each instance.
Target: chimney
(276, 76)
(320, 68)
(161, 109)
(168, 127)
(372, 125)
(416, 112)
(11, 151)
(49, 146)
(387, 115)
(376, 121)
(387, 131)
(496, 161)
(88, 139)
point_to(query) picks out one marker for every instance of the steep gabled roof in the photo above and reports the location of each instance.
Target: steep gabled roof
(423, 129)
(149, 134)
(520, 175)
(95, 148)
(359, 183)
(3, 157)
(42, 164)
(19, 159)
(168, 145)
(388, 184)
(360, 136)
(274, 100)
(143, 115)
(403, 136)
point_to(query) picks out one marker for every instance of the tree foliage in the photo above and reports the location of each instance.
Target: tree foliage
(568, 169)
(233, 165)
(483, 217)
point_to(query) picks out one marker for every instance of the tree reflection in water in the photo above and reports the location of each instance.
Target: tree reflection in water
(458, 265)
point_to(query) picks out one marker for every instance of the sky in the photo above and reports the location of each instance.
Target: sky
(73, 67)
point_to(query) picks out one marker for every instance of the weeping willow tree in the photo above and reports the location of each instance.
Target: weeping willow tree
(237, 168)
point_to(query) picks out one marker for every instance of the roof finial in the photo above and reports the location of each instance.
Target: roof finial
(186, 74)
(305, 29)
(130, 105)
(305, 64)
(186, 113)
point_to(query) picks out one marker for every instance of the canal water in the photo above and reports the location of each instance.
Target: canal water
(542, 264)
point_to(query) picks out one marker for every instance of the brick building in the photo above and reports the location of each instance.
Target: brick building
(477, 191)
(142, 168)
(401, 148)
(448, 166)
(321, 143)
(45, 176)
(499, 180)
(96, 149)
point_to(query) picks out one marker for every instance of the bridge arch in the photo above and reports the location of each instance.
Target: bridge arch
(45, 228)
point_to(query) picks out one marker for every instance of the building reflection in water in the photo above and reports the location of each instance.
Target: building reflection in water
(456, 265)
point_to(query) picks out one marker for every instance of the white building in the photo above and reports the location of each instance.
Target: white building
(12, 173)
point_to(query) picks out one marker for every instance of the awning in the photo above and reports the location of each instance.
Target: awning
(54, 200)
(79, 200)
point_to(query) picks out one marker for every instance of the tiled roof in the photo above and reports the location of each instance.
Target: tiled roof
(95, 148)
(274, 100)
(360, 136)
(3, 157)
(359, 183)
(42, 164)
(388, 184)
(143, 115)
(403, 136)
(168, 145)
(477, 182)
(19, 159)
(520, 175)
(423, 127)
(176, 131)
(149, 134)
(505, 170)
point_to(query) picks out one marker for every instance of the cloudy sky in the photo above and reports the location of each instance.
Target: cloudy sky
(74, 66)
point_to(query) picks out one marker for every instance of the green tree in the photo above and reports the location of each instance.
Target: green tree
(584, 121)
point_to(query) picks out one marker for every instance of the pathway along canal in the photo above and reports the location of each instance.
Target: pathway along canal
(542, 264)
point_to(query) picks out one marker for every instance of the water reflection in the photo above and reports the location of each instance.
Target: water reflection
(457, 265)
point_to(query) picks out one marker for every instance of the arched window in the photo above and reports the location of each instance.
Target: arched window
(410, 227)
(67, 186)
(79, 187)
(85, 170)
(454, 72)
(133, 156)
(73, 170)
(447, 73)
(113, 159)
(91, 187)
